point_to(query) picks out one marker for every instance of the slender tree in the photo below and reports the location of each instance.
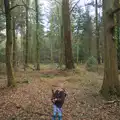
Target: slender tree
(37, 36)
(27, 35)
(97, 32)
(13, 36)
(14, 44)
(67, 34)
(10, 75)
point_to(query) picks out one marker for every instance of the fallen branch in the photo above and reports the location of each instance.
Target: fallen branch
(21, 82)
(112, 102)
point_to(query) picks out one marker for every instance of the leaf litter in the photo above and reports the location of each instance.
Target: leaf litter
(32, 101)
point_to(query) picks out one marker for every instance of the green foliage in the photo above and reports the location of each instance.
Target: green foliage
(82, 54)
(82, 31)
(91, 64)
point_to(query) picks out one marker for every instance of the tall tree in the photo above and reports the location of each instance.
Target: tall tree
(14, 44)
(67, 34)
(37, 36)
(88, 31)
(110, 84)
(13, 35)
(10, 75)
(27, 34)
(97, 32)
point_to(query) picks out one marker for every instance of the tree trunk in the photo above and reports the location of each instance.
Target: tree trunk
(97, 32)
(111, 82)
(61, 38)
(67, 34)
(51, 52)
(13, 37)
(37, 37)
(14, 46)
(22, 44)
(9, 69)
(77, 51)
(90, 42)
(117, 32)
(90, 37)
(61, 61)
(27, 37)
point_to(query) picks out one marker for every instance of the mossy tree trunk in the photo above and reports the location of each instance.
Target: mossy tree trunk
(9, 69)
(110, 84)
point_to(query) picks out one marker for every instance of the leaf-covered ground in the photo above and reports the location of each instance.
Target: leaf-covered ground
(31, 101)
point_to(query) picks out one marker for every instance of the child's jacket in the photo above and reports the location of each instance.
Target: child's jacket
(60, 96)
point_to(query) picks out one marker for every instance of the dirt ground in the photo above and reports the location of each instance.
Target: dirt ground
(31, 100)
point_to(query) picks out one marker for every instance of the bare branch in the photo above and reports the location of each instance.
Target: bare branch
(57, 2)
(92, 4)
(74, 6)
(116, 10)
(25, 5)
(111, 11)
(15, 6)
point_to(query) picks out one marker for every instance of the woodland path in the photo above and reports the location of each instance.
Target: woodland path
(31, 101)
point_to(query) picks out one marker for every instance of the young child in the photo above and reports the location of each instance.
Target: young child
(58, 98)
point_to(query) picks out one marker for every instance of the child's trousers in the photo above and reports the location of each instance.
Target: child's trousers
(57, 111)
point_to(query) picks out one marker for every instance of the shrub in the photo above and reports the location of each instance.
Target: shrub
(91, 64)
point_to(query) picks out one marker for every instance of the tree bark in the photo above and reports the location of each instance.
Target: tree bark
(9, 69)
(37, 37)
(77, 51)
(62, 48)
(90, 36)
(22, 44)
(111, 82)
(67, 34)
(13, 37)
(97, 32)
(14, 63)
(51, 52)
(14, 46)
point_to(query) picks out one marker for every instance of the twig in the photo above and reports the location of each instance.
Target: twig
(27, 6)
(15, 6)
(57, 2)
(74, 6)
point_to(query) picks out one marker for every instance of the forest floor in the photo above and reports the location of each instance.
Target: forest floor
(31, 101)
